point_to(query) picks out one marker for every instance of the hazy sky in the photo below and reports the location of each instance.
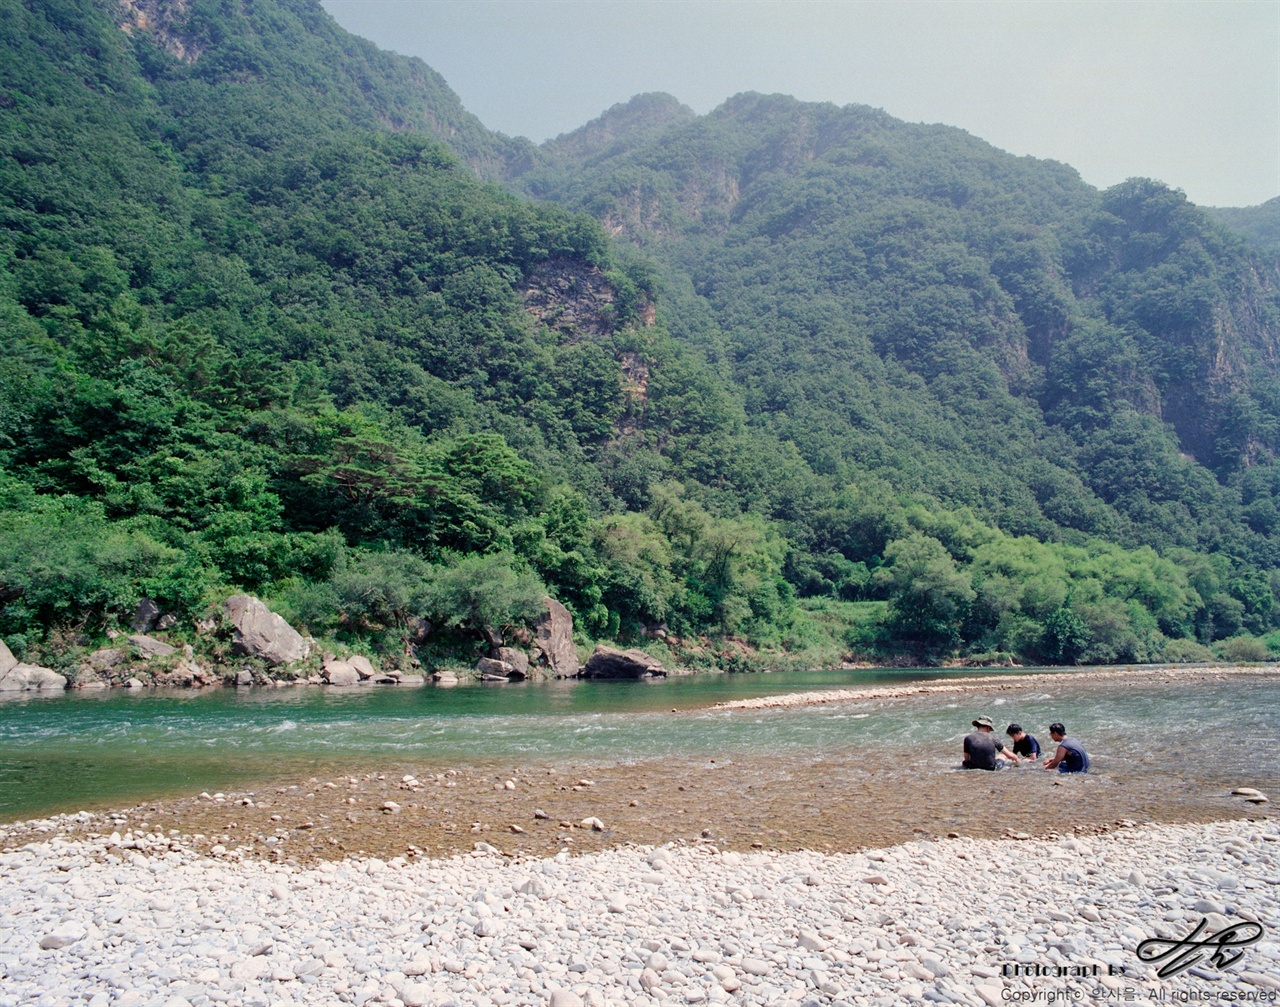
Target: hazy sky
(1184, 91)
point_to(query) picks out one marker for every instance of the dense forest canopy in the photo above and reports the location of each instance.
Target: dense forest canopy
(280, 316)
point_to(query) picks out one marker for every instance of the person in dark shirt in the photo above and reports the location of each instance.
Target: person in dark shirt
(981, 749)
(1070, 756)
(1025, 745)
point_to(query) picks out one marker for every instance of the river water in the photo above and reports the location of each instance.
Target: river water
(96, 750)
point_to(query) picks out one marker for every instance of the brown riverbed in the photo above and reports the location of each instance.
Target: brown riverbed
(833, 804)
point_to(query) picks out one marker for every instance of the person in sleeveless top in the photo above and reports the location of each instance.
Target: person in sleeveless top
(1070, 756)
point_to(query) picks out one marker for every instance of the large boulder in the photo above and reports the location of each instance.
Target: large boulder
(337, 672)
(363, 666)
(149, 646)
(259, 632)
(491, 670)
(30, 677)
(145, 616)
(7, 661)
(106, 658)
(608, 662)
(553, 640)
(517, 659)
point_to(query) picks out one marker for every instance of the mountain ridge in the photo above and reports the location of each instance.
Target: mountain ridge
(838, 386)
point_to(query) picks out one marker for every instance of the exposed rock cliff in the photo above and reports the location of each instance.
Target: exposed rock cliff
(571, 297)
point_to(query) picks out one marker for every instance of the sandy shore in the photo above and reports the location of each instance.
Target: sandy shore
(140, 919)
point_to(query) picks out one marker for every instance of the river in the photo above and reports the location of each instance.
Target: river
(97, 750)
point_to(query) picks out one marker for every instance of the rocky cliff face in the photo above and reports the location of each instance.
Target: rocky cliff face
(571, 297)
(163, 20)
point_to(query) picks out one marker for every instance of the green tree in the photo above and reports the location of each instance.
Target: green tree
(1065, 636)
(929, 596)
(483, 594)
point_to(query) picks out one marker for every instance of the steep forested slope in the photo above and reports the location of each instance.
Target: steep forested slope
(906, 302)
(1259, 224)
(870, 280)
(249, 342)
(898, 393)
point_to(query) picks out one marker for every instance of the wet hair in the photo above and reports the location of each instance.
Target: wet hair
(1057, 729)
(1012, 729)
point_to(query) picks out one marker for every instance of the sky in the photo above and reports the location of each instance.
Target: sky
(1184, 91)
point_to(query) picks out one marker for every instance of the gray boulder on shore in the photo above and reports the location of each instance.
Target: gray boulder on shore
(105, 658)
(17, 677)
(491, 669)
(337, 672)
(518, 660)
(149, 646)
(553, 640)
(259, 632)
(30, 678)
(608, 662)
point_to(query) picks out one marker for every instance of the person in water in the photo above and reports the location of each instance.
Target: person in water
(1025, 745)
(1070, 756)
(982, 750)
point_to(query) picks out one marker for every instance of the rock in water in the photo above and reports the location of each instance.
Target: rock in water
(607, 662)
(554, 640)
(259, 632)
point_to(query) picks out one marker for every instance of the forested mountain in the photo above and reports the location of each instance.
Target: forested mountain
(872, 284)
(786, 376)
(906, 303)
(1259, 224)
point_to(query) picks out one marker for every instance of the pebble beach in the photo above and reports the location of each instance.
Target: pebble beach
(954, 921)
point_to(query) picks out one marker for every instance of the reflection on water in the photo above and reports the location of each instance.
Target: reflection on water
(119, 747)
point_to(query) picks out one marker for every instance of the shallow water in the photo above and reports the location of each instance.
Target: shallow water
(120, 747)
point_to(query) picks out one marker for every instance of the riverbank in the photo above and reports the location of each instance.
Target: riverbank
(1131, 674)
(953, 921)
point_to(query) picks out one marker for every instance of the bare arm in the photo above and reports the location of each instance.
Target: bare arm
(1058, 756)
